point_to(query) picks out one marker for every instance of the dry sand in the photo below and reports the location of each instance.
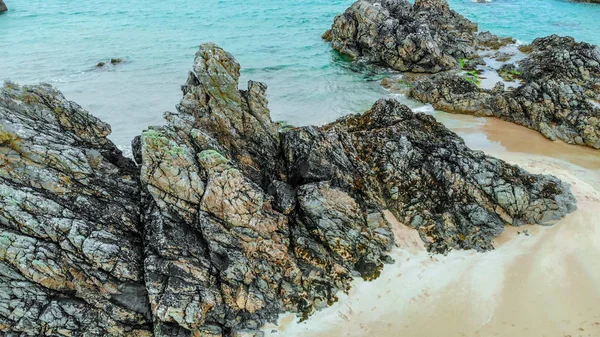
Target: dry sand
(546, 283)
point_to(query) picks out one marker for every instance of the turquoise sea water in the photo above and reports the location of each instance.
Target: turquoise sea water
(276, 41)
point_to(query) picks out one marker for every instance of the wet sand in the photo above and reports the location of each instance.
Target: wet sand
(545, 282)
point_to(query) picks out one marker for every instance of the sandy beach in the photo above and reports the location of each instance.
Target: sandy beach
(540, 281)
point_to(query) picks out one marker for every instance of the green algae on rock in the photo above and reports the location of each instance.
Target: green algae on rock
(227, 222)
(70, 237)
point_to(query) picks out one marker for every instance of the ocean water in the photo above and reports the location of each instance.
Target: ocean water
(276, 41)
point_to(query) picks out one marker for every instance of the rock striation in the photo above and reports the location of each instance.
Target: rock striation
(226, 220)
(427, 37)
(223, 254)
(70, 236)
(560, 96)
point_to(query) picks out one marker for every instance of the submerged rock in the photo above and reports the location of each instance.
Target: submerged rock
(228, 221)
(70, 236)
(427, 37)
(560, 97)
(112, 61)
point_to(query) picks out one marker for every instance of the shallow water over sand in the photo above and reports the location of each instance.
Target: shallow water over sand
(543, 283)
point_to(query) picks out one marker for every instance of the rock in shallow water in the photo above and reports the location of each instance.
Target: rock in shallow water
(3, 7)
(427, 37)
(237, 221)
(560, 97)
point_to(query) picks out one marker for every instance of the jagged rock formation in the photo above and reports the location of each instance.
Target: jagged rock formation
(222, 254)
(281, 221)
(227, 221)
(560, 97)
(427, 37)
(3, 7)
(70, 237)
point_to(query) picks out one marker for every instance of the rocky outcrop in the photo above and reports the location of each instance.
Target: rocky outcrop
(70, 237)
(227, 221)
(222, 253)
(560, 96)
(244, 222)
(3, 7)
(427, 37)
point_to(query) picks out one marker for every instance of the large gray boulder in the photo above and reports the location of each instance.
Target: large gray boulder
(70, 236)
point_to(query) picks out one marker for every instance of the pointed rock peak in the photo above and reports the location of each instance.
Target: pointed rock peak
(214, 65)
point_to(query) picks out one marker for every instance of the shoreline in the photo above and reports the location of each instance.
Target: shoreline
(504, 292)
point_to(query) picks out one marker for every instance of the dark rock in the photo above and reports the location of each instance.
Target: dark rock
(3, 7)
(70, 237)
(237, 222)
(284, 196)
(244, 222)
(112, 61)
(560, 97)
(427, 37)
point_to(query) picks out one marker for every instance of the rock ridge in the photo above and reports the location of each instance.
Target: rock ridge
(225, 220)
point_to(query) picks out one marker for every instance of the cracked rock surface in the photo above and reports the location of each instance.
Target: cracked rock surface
(226, 221)
(70, 237)
(427, 37)
(560, 96)
(268, 221)
(560, 91)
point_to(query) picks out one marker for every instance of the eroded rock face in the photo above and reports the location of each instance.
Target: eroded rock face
(230, 242)
(243, 222)
(560, 96)
(70, 237)
(226, 222)
(427, 37)
(457, 198)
